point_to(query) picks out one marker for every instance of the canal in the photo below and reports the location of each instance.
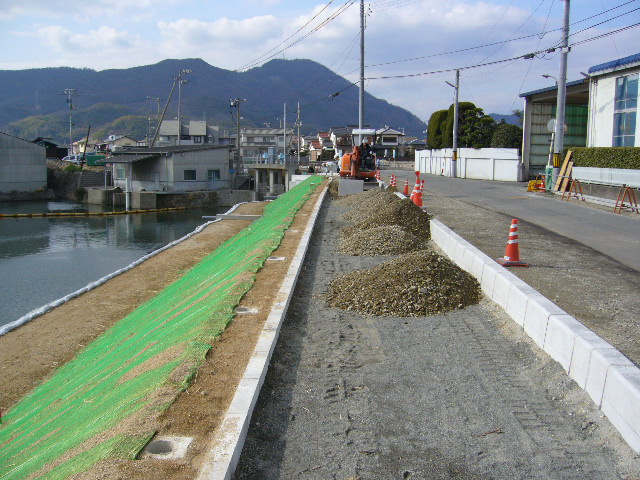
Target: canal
(43, 259)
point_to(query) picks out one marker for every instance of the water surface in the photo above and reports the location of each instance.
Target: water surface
(43, 259)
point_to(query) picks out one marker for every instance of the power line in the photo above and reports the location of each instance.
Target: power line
(292, 35)
(527, 56)
(540, 34)
(332, 17)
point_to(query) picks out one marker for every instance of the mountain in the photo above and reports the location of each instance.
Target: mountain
(512, 119)
(33, 102)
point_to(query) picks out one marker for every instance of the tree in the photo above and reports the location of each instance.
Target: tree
(434, 128)
(520, 114)
(474, 127)
(506, 135)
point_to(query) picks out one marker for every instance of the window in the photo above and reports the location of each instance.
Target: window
(197, 139)
(625, 111)
(213, 175)
(119, 172)
(190, 175)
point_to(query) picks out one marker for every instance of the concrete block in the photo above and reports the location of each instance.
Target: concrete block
(621, 403)
(467, 259)
(349, 187)
(477, 267)
(489, 273)
(501, 288)
(562, 331)
(582, 349)
(245, 397)
(519, 295)
(536, 317)
(602, 360)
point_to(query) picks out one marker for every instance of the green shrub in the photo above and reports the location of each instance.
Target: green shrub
(72, 168)
(506, 135)
(434, 128)
(606, 157)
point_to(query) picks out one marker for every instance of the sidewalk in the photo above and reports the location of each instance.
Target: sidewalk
(460, 395)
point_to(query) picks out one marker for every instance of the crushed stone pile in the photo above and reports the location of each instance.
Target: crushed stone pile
(365, 204)
(403, 213)
(384, 240)
(415, 284)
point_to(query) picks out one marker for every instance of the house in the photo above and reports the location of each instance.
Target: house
(388, 142)
(264, 144)
(613, 103)
(195, 133)
(172, 169)
(341, 139)
(53, 151)
(23, 165)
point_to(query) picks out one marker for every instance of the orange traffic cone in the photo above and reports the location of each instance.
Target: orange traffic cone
(512, 251)
(393, 180)
(406, 188)
(417, 199)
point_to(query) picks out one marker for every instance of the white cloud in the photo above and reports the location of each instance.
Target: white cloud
(104, 40)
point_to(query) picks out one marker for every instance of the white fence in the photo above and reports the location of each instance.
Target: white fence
(504, 164)
(607, 176)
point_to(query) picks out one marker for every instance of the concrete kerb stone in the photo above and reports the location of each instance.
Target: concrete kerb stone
(222, 460)
(610, 379)
(621, 402)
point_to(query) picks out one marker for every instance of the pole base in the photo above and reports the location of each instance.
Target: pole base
(511, 263)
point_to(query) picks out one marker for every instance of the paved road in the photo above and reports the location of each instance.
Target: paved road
(616, 236)
(462, 395)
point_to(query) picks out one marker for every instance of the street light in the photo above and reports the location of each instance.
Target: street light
(550, 76)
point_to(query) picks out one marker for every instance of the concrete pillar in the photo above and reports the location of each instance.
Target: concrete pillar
(271, 181)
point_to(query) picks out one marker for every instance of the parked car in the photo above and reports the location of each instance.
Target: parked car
(73, 159)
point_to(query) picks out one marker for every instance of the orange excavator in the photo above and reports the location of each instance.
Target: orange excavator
(361, 163)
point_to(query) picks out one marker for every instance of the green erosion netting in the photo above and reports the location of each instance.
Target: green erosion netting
(78, 416)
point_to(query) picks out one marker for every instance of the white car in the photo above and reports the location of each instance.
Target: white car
(73, 159)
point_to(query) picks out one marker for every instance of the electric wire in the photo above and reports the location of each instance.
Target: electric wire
(332, 17)
(527, 56)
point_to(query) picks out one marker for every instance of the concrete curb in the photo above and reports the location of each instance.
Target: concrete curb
(611, 380)
(222, 460)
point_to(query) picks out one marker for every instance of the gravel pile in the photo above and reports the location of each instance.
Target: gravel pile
(367, 205)
(415, 284)
(385, 240)
(398, 212)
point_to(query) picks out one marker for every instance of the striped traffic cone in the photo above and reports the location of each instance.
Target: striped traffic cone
(512, 251)
(417, 199)
(405, 192)
(393, 181)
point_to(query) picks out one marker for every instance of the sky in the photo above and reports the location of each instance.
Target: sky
(410, 38)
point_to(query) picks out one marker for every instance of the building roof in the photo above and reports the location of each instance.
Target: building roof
(552, 89)
(155, 151)
(130, 158)
(613, 65)
(388, 131)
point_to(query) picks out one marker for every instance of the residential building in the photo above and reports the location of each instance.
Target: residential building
(194, 133)
(388, 142)
(613, 103)
(341, 139)
(53, 151)
(172, 168)
(264, 144)
(23, 165)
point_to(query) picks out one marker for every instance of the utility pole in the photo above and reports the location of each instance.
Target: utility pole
(454, 161)
(235, 103)
(181, 81)
(70, 92)
(284, 131)
(361, 102)
(298, 124)
(157, 100)
(562, 96)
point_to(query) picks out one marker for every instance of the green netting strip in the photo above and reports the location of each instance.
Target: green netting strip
(70, 422)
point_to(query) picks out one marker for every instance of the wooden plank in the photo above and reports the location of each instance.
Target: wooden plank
(567, 177)
(563, 171)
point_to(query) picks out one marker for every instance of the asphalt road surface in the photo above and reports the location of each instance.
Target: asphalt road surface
(617, 236)
(463, 395)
